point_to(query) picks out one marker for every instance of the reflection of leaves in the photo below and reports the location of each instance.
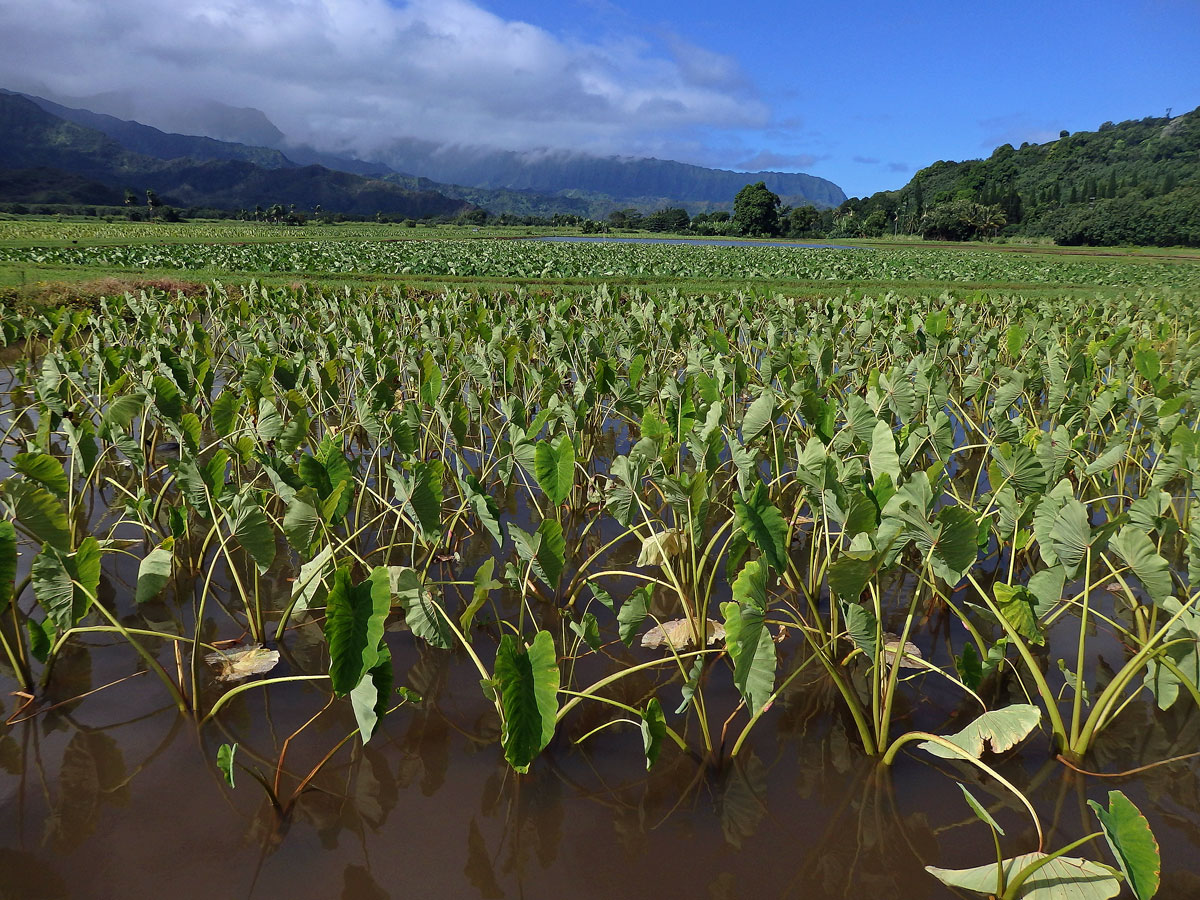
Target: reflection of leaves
(741, 802)
(357, 884)
(479, 866)
(93, 771)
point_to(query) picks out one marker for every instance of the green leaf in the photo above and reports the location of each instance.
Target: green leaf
(253, 532)
(225, 754)
(426, 497)
(752, 651)
(40, 512)
(224, 413)
(554, 468)
(588, 630)
(983, 815)
(956, 546)
(654, 729)
(354, 619)
(41, 636)
(155, 571)
(1138, 552)
(166, 397)
(750, 586)
(1017, 467)
(551, 554)
(120, 412)
(1071, 535)
(8, 563)
(760, 521)
(302, 519)
(1003, 729)
(883, 458)
(969, 666)
(758, 416)
(422, 616)
(862, 627)
(527, 679)
(371, 695)
(632, 613)
(1132, 843)
(65, 584)
(850, 572)
(1078, 879)
(1016, 605)
(484, 585)
(44, 468)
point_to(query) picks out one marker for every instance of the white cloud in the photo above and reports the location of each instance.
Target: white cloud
(357, 73)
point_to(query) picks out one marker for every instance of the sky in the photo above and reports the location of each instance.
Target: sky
(862, 93)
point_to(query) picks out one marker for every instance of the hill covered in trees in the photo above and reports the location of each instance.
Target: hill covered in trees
(1135, 182)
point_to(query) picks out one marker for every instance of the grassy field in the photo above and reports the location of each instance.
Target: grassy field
(52, 260)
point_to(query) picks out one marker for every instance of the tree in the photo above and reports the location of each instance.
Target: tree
(152, 201)
(756, 210)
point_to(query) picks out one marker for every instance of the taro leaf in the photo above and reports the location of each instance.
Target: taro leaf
(688, 689)
(678, 634)
(1132, 843)
(270, 423)
(422, 616)
(654, 729)
(426, 497)
(302, 519)
(43, 468)
(1074, 682)
(660, 547)
(65, 584)
(956, 546)
(1111, 456)
(1047, 586)
(371, 695)
(1014, 340)
(861, 626)
(750, 586)
(588, 630)
(1044, 515)
(883, 458)
(242, 661)
(850, 572)
(120, 412)
(154, 571)
(760, 521)
(41, 635)
(167, 397)
(225, 754)
(1138, 552)
(39, 511)
(1017, 467)
(632, 613)
(527, 679)
(224, 413)
(752, 650)
(253, 532)
(970, 668)
(308, 581)
(483, 586)
(1016, 604)
(354, 618)
(1003, 729)
(8, 562)
(758, 416)
(1066, 876)
(554, 468)
(1071, 535)
(551, 555)
(485, 506)
(602, 595)
(982, 814)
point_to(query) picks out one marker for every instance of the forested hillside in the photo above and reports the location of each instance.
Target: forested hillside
(1136, 182)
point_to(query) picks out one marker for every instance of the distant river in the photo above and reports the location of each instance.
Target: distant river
(698, 242)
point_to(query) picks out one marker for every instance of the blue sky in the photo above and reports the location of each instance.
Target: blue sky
(862, 94)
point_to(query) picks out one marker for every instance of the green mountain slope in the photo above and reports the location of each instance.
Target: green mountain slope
(32, 138)
(1136, 182)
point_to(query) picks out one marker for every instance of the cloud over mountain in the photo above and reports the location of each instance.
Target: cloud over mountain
(352, 74)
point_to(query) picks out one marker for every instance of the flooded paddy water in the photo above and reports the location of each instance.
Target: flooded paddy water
(516, 491)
